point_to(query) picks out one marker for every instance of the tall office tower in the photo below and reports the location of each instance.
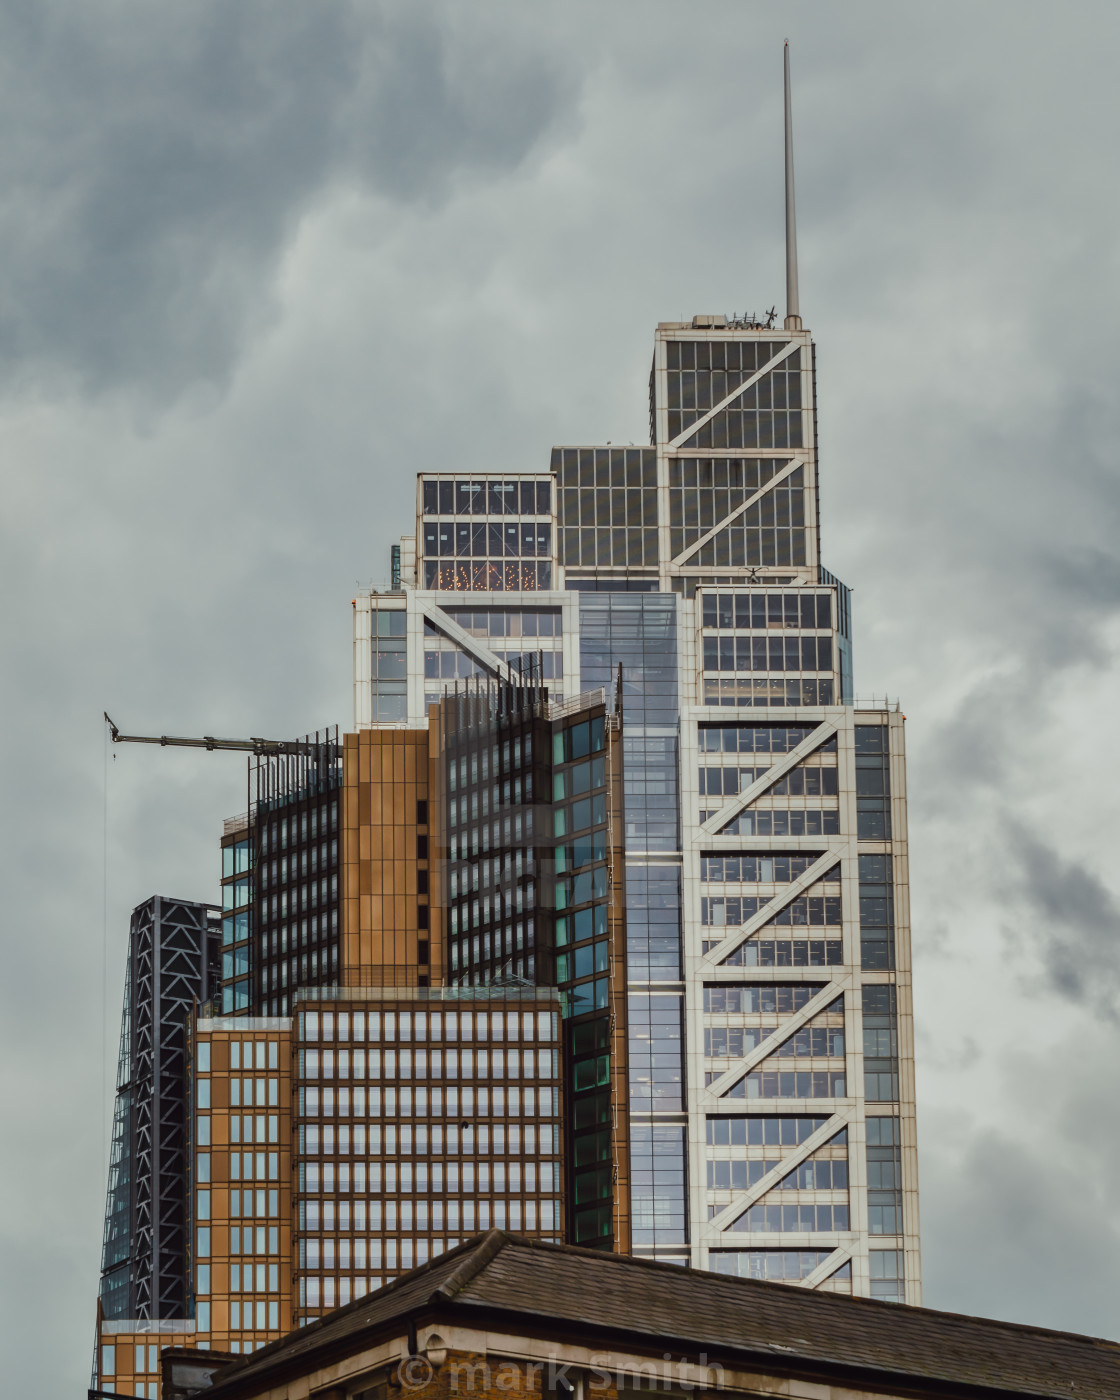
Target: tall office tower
(763, 931)
(607, 768)
(172, 963)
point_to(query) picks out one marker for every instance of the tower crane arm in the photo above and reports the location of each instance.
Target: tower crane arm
(260, 747)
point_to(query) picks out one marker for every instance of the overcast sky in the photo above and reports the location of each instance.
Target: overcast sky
(261, 263)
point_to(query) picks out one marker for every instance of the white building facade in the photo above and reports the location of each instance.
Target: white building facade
(771, 1069)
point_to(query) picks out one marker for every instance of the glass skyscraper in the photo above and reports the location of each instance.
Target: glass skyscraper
(595, 927)
(760, 852)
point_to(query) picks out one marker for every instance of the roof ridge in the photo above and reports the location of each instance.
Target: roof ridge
(491, 1244)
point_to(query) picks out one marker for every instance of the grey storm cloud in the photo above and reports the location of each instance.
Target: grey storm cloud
(1073, 918)
(156, 162)
(260, 263)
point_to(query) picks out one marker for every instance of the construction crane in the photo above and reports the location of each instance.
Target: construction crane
(262, 748)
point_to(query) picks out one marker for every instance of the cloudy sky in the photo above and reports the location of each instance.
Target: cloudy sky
(261, 263)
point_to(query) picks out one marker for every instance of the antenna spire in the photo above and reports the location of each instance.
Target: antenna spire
(793, 308)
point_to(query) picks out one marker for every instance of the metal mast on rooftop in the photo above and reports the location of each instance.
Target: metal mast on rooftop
(793, 309)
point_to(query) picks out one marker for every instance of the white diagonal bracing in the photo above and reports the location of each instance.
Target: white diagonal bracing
(719, 1222)
(772, 775)
(765, 1048)
(827, 1268)
(446, 624)
(775, 480)
(815, 872)
(787, 349)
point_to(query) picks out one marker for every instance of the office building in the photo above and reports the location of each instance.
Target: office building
(608, 773)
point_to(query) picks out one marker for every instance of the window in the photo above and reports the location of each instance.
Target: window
(792, 1219)
(880, 1044)
(887, 1275)
(873, 785)
(884, 1176)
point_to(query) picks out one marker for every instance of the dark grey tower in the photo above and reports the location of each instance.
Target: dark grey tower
(173, 955)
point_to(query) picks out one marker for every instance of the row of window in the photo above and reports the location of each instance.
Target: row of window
(761, 869)
(504, 622)
(632, 467)
(248, 1316)
(452, 664)
(792, 952)
(717, 911)
(511, 541)
(753, 611)
(242, 1092)
(492, 908)
(407, 1139)
(768, 654)
(790, 1084)
(694, 392)
(295, 901)
(245, 1166)
(765, 997)
(498, 834)
(246, 1278)
(414, 1026)
(342, 1178)
(309, 861)
(470, 807)
(724, 1041)
(617, 546)
(807, 1176)
(601, 506)
(251, 1239)
(768, 692)
(762, 1131)
(308, 826)
(791, 823)
(424, 1064)
(421, 1102)
(757, 738)
(807, 779)
(510, 865)
(488, 497)
(483, 947)
(793, 1219)
(508, 576)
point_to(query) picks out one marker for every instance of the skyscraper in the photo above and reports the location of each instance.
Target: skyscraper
(612, 816)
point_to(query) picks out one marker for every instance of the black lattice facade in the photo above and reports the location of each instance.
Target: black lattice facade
(173, 962)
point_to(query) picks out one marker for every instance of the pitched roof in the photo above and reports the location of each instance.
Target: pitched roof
(777, 1328)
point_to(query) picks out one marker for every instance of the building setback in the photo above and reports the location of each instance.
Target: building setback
(608, 769)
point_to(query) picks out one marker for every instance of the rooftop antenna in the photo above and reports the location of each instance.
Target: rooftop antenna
(793, 308)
